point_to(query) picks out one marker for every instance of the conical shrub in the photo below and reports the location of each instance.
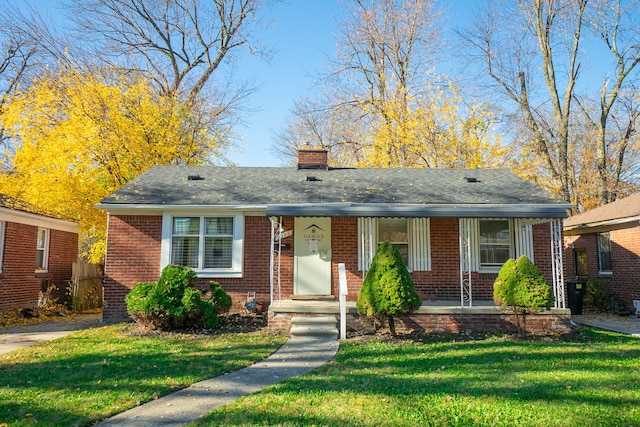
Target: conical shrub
(387, 290)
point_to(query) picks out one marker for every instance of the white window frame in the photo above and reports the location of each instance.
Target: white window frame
(521, 236)
(45, 250)
(2, 227)
(419, 243)
(602, 271)
(494, 268)
(396, 243)
(237, 245)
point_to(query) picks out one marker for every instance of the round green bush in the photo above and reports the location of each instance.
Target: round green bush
(171, 303)
(221, 300)
(521, 287)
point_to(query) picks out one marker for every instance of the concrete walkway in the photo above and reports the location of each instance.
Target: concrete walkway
(629, 325)
(296, 357)
(22, 336)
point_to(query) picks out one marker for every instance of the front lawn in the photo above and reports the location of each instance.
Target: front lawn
(592, 380)
(90, 375)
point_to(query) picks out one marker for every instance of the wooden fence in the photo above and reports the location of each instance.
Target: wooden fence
(86, 286)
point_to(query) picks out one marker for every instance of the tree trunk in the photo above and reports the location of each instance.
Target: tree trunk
(392, 326)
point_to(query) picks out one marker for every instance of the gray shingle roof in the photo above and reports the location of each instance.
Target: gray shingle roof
(247, 186)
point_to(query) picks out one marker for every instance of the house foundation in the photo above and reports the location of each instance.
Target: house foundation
(431, 317)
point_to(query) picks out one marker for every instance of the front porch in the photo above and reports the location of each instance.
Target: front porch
(431, 317)
(446, 266)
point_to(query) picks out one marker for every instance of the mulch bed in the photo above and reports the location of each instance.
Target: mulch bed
(230, 323)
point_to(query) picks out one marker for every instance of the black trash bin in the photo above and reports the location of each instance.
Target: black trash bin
(576, 290)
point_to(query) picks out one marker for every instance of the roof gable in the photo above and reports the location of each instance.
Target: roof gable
(629, 207)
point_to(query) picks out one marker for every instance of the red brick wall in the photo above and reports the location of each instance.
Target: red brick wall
(344, 249)
(442, 283)
(286, 263)
(133, 255)
(543, 323)
(458, 323)
(255, 277)
(19, 284)
(625, 260)
(312, 157)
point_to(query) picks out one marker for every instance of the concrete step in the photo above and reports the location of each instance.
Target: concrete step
(320, 326)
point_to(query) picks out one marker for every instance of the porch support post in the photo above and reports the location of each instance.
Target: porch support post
(274, 256)
(557, 269)
(273, 235)
(465, 263)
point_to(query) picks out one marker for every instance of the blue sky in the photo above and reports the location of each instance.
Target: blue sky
(304, 34)
(301, 33)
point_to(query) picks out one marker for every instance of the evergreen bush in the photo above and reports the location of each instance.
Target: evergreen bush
(522, 288)
(171, 303)
(220, 299)
(387, 290)
(598, 298)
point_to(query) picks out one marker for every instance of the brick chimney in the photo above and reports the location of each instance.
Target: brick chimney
(312, 157)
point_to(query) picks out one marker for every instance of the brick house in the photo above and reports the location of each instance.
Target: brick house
(605, 243)
(36, 251)
(282, 232)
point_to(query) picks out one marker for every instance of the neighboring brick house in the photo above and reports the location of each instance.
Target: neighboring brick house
(282, 232)
(605, 243)
(36, 251)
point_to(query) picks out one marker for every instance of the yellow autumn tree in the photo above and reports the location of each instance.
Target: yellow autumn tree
(435, 130)
(78, 136)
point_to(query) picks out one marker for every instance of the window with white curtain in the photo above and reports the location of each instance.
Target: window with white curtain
(410, 235)
(495, 242)
(492, 241)
(395, 230)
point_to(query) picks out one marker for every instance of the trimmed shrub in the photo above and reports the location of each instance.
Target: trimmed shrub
(599, 299)
(171, 303)
(221, 300)
(522, 288)
(387, 290)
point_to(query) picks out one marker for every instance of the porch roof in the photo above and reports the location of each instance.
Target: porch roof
(426, 210)
(341, 192)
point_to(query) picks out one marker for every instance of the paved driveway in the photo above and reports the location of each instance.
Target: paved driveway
(22, 336)
(624, 324)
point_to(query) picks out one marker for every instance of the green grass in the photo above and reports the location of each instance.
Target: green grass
(592, 380)
(93, 374)
(498, 381)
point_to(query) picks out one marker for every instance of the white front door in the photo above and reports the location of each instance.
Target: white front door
(312, 256)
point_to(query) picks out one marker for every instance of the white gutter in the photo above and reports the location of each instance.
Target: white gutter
(151, 209)
(599, 224)
(36, 220)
